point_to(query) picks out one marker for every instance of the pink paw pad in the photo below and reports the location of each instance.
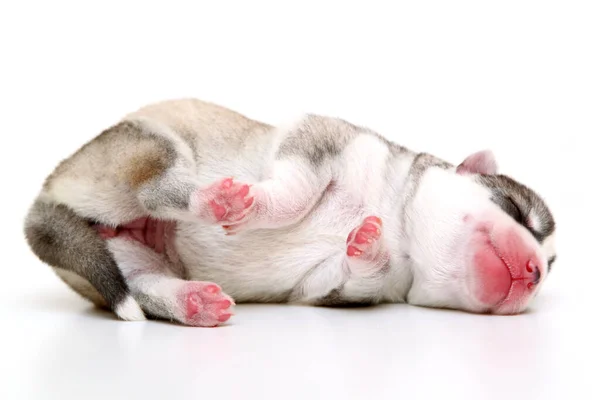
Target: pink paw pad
(363, 238)
(205, 304)
(227, 201)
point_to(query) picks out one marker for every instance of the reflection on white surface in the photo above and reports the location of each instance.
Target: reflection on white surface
(60, 348)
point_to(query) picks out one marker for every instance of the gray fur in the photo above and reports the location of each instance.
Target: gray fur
(318, 139)
(336, 298)
(154, 307)
(160, 195)
(64, 240)
(112, 146)
(551, 261)
(505, 189)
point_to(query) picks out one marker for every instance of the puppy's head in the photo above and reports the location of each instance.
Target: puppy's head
(479, 241)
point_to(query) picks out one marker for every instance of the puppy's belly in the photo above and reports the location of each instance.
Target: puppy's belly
(270, 264)
(258, 266)
(155, 234)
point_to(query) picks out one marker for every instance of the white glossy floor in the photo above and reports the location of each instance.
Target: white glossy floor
(57, 347)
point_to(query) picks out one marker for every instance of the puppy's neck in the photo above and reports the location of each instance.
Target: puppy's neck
(405, 174)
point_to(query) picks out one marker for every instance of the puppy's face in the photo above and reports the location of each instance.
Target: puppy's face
(479, 241)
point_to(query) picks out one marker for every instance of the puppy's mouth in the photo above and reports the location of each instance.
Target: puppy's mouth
(506, 272)
(509, 268)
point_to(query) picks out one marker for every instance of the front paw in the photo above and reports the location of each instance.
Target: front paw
(225, 202)
(250, 219)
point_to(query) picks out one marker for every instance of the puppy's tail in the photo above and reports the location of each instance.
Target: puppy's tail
(70, 245)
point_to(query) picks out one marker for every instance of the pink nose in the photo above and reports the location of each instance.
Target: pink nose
(534, 274)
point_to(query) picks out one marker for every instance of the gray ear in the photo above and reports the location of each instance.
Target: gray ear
(483, 162)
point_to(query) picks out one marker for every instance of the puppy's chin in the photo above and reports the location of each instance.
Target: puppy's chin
(505, 266)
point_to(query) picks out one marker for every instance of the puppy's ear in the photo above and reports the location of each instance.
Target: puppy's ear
(483, 162)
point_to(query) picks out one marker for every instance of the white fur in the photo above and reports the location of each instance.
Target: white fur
(534, 220)
(439, 239)
(549, 246)
(129, 310)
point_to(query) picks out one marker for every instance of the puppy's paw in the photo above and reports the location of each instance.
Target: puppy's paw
(363, 241)
(204, 304)
(225, 202)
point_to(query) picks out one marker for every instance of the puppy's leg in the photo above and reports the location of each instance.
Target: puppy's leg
(67, 242)
(298, 174)
(353, 276)
(129, 172)
(132, 170)
(162, 293)
(281, 200)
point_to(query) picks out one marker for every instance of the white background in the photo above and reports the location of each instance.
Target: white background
(447, 77)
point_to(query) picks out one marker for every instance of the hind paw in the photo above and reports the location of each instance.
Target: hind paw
(204, 304)
(364, 239)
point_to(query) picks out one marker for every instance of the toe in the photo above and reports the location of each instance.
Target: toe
(218, 210)
(224, 317)
(248, 202)
(361, 237)
(353, 251)
(374, 220)
(243, 192)
(227, 183)
(369, 228)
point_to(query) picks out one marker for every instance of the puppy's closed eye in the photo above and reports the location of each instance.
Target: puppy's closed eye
(512, 209)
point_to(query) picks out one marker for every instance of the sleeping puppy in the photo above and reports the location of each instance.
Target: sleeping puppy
(184, 207)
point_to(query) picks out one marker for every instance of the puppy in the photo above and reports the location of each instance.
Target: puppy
(184, 207)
